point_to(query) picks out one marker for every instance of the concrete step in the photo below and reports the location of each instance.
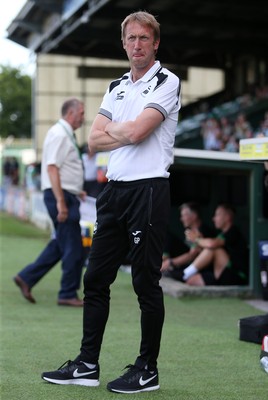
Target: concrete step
(178, 289)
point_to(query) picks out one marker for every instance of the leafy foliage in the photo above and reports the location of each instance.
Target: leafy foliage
(15, 103)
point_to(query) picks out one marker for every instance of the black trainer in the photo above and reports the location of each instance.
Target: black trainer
(180, 276)
(177, 274)
(135, 380)
(74, 373)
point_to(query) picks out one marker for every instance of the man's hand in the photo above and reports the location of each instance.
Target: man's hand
(82, 195)
(62, 211)
(54, 176)
(192, 234)
(166, 265)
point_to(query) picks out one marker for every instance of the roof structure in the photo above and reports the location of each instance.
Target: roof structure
(207, 33)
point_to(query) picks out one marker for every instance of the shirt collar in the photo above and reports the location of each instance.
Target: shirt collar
(150, 73)
(66, 125)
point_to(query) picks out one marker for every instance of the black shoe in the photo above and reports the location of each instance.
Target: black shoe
(74, 373)
(135, 380)
(178, 274)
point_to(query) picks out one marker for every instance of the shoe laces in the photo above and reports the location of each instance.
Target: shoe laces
(66, 364)
(132, 372)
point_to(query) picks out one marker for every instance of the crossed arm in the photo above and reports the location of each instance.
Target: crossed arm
(106, 135)
(210, 243)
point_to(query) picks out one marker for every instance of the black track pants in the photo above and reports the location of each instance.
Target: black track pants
(132, 219)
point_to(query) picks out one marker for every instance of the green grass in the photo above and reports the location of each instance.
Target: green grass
(201, 356)
(13, 227)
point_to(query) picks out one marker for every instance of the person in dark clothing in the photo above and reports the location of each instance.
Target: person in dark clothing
(190, 216)
(227, 253)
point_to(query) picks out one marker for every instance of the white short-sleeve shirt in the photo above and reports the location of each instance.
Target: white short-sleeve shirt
(59, 149)
(124, 100)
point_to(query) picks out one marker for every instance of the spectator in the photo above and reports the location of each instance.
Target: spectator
(14, 171)
(263, 128)
(190, 216)
(242, 127)
(223, 259)
(211, 133)
(226, 130)
(7, 179)
(33, 177)
(11, 171)
(62, 181)
(232, 145)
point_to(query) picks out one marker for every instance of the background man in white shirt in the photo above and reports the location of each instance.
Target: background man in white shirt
(62, 182)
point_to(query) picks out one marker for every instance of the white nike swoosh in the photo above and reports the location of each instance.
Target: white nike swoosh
(142, 382)
(77, 374)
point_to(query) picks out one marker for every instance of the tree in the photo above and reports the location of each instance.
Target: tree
(15, 103)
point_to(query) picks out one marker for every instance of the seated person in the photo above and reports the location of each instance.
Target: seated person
(190, 217)
(223, 259)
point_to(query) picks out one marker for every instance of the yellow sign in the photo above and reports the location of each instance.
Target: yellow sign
(102, 159)
(254, 149)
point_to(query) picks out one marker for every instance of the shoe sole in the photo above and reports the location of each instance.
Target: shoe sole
(81, 382)
(146, 389)
(28, 296)
(264, 365)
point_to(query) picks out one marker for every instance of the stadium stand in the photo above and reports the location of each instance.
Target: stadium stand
(253, 106)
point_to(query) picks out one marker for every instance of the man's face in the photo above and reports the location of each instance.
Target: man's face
(187, 217)
(140, 45)
(219, 218)
(78, 116)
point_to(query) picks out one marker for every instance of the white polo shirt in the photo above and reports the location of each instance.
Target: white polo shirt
(59, 149)
(124, 100)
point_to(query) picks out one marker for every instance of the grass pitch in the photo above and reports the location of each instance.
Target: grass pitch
(201, 355)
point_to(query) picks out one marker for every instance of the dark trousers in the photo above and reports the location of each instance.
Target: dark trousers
(132, 219)
(66, 245)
